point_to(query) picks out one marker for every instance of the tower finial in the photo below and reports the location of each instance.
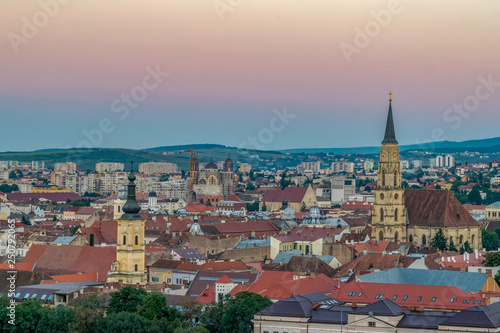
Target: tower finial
(390, 95)
(131, 166)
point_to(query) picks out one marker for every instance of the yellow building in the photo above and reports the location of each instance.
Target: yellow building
(129, 266)
(297, 197)
(48, 189)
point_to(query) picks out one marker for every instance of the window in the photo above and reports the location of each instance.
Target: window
(433, 299)
(136, 240)
(50, 298)
(26, 296)
(43, 297)
(452, 300)
(124, 240)
(372, 324)
(135, 268)
(395, 296)
(404, 298)
(478, 302)
(359, 295)
(464, 301)
(419, 298)
(33, 296)
(155, 279)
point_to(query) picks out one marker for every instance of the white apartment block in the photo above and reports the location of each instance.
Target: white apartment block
(313, 167)
(152, 168)
(439, 161)
(109, 167)
(69, 167)
(342, 166)
(449, 161)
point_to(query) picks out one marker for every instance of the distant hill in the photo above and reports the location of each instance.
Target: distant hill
(486, 145)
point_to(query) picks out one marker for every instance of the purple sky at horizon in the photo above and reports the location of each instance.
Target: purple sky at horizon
(226, 76)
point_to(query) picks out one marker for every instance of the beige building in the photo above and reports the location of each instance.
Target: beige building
(298, 198)
(493, 211)
(109, 167)
(152, 168)
(412, 215)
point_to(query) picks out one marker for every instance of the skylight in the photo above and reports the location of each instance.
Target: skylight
(404, 298)
(419, 298)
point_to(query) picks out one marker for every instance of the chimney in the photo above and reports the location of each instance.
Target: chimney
(365, 251)
(462, 269)
(489, 273)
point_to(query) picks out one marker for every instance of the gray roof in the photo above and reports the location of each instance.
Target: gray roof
(425, 320)
(43, 291)
(384, 307)
(190, 254)
(467, 281)
(477, 316)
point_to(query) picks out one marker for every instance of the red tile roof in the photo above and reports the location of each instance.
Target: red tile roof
(224, 279)
(59, 197)
(432, 297)
(436, 208)
(281, 285)
(72, 278)
(199, 208)
(291, 194)
(72, 259)
(19, 266)
(309, 234)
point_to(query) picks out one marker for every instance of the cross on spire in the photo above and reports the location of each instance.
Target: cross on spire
(390, 95)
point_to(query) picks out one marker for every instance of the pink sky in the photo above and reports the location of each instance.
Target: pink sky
(265, 53)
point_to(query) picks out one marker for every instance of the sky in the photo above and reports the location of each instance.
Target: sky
(265, 74)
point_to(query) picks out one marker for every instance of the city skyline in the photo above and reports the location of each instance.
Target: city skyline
(218, 74)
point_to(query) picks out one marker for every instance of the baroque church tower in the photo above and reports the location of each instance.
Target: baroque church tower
(389, 212)
(129, 266)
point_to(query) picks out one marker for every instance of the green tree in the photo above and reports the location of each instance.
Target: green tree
(124, 322)
(28, 316)
(264, 207)
(490, 240)
(154, 306)
(497, 277)
(56, 320)
(492, 259)
(467, 247)
(253, 207)
(196, 329)
(250, 186)
(452, 246)
(192, 312)
(303, 207)
(439, 240)
(91, 240)
(89, 311)
(12, 175)
(6, 188)
(25, 220)
(475, 197)
(128, 299)
(240, 311)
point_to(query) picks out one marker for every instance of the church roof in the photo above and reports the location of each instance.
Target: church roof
(390, 133)
(436, 208)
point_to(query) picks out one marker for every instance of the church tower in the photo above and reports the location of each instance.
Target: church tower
(389, 213)
(129, 266)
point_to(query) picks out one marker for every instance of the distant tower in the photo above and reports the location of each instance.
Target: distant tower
(118, 203)
(227, 179)
(389, 213)
(194, 170)
(129, 266)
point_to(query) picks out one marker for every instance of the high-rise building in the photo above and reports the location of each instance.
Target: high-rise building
(439, 161)
(69, 167)
(342, 189)
(449, 161)
(311, 166)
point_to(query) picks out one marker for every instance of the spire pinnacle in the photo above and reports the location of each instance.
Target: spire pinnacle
(131, 208)
(390, 133)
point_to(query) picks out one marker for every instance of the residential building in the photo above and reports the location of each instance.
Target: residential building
(68, 167)
(244, 167)
(152, 168)
(449, 161)
(342, 189)
(313, 167)
(103, 167)
(342, 166)
(299, 198)
(439, 161)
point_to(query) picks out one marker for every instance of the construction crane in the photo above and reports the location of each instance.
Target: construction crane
(191, 164)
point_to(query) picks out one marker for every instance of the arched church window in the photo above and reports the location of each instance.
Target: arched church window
(396, 215)
(395, 178)
(136, 240)
(380, 235)
(124, 240)
(396, 236)
(382, 177)
(411, 238)
(472, 239)
(381, 214)
(424, 240)
(461, 239)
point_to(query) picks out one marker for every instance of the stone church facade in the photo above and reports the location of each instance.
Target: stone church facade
(413, 215)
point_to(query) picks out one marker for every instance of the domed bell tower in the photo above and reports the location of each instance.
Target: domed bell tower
(129, 266)
(389, 213)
